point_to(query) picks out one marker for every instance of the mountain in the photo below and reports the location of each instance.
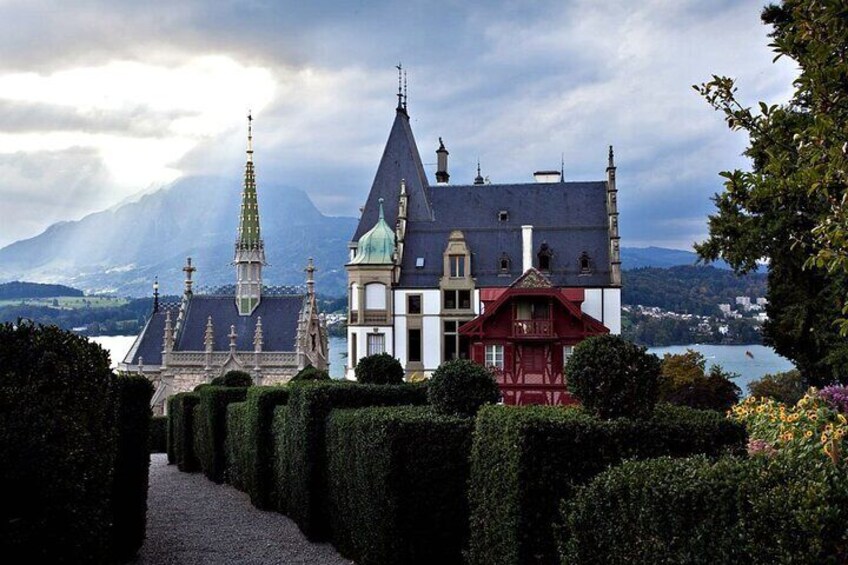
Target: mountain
(120, 250)
(638, 257)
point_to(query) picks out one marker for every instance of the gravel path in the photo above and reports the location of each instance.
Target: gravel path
(191, 520)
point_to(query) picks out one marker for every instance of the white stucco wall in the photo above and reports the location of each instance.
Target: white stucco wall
(612, 310)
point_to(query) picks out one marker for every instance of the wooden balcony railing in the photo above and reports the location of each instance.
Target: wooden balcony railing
(533, 328)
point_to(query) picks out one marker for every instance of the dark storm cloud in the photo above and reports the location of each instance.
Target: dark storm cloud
(515, 84)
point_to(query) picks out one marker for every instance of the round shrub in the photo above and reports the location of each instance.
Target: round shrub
(461, 387)
(379, 369)
(612, 377)
(788, 387)
(58, 442)
(234, 379)
(310, 373)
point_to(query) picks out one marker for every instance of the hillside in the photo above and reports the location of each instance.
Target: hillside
(17, 289)
(120, 250)
(688, 289)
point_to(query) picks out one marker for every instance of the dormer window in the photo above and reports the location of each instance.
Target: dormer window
(544, 256)
(504, 263)
(503, 216)
(457, 266)
(585, 264)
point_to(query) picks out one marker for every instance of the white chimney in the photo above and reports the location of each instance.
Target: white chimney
(547, 176)
(526, 248)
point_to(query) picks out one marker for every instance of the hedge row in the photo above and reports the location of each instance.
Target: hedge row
(398, 485)
(698, 511)
(281, 469)
(73, 449)
(305, 480)
(234, 444)
(132, 465)
(158, 434)
(526, 459)
(210, 429)
(258, 447)
(182, 416)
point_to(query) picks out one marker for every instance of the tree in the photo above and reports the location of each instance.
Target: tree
(787, 208)
(685, 381)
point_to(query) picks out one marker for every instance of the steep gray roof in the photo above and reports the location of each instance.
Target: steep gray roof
(279, 326)
(570, 217)
(400, 161)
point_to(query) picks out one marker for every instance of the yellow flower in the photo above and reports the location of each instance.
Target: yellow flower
(842, 419)
(808, 434)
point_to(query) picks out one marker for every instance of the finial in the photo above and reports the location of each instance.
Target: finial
(562, 167)
(405, 95)
(155, 294)
(188, 270)
(381, 208)
(233, 335)
(250, 136)
(399, 68)
(403, 187)
(611, 158)
(479, 178)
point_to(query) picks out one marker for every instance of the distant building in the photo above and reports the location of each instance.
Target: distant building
(762, 301)
(724, 309)
(269, 334)
(509, 275)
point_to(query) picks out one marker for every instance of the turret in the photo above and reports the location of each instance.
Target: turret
(249, 248)
(442, 176)
(612, 212)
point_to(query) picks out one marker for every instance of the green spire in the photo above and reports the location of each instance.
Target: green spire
(248, 231)
(376, 246)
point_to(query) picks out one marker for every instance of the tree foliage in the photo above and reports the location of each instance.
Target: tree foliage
(791, 206)
(685, 381)
(379, 369)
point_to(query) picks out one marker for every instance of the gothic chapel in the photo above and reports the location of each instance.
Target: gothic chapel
(271, 335)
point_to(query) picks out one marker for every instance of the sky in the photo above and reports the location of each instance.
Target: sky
(103, 101)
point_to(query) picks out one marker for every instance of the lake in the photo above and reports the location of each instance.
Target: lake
(732, 358)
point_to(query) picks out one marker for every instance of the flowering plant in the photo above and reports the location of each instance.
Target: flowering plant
(809, 429)
(836, 396)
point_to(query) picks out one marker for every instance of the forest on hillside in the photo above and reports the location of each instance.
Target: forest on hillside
(689, 289)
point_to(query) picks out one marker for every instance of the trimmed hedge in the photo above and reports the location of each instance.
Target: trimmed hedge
(237, 466)
(132, 465)
(697, 511)
(280, 459)
(210, 430)
(258, 446)
(159, 434)
(169, 431)
(398, 484)
(526, 459)
(57, 446)
(182, 417)
(305, 480)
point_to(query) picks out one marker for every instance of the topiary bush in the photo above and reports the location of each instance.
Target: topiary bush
(182, 417)
(158, 441)
(524, 460)
(613, 377)
(398, 484)
(132, 465)
(57, 446)
(760, 510)
(280, 453)
(305, 481)
(460, 387)
(233, 379)
(310, 373)
(257, 449)
(788, 387)
(237, 464)
(210, 430)
(379, 369)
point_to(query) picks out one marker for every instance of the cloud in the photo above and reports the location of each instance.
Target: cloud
(159, 89)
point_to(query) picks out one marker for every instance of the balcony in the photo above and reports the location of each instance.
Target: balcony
(533, 328)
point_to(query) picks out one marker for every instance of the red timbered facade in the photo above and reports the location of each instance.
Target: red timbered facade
(525, 333)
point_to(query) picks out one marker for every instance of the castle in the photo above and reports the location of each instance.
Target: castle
(511, 276)
(271, 335)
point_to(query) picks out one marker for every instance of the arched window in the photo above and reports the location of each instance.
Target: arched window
(504, 263)
(544, 256)
(375, 296)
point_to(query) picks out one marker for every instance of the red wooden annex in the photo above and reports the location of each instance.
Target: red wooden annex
(525, 334)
